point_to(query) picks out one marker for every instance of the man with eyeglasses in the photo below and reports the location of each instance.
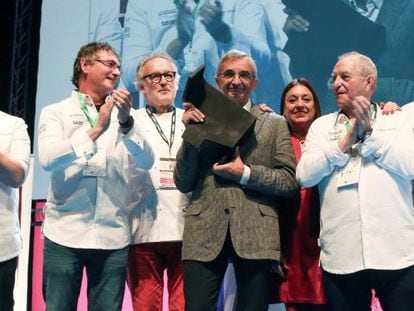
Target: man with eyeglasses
(233, 211)
(157, 220)
(89, 143)
(363, 163)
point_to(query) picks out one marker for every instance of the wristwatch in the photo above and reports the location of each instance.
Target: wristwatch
(366, 135)
(129, 123)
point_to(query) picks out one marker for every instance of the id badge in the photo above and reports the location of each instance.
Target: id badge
(349, 174)
(96, 166)
(192, 59)
(167, 166)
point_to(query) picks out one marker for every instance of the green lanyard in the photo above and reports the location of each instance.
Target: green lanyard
(92, 121)
(373, 108)
(194, 11)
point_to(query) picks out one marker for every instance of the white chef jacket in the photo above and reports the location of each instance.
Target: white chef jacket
(87, 211)
(368, 225)
(157, 212)
(15, 144)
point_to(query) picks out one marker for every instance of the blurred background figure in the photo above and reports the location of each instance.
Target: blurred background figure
(193, 32)
(276, 75)
(381, 29)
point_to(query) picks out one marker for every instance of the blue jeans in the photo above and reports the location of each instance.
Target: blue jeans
(62, 277)
(7, 273)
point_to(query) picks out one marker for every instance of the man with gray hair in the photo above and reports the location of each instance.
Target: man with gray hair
(157, 221)
(233, 211)
(362, 163)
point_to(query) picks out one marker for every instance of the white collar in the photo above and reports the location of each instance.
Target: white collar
(248, 106)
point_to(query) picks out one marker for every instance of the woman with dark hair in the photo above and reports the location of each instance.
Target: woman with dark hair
(300, 287)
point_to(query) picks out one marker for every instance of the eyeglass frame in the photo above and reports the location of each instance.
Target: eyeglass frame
(110, 63)
(160, 75)
(247, 78)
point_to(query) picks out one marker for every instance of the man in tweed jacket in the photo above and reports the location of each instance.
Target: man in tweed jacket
(233, 212)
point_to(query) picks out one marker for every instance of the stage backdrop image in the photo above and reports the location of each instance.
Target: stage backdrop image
(261, 28)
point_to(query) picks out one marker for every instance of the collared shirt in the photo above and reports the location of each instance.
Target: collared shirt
(246, 171)
(368, 225)
(373, 8)
(87, 211)
(157, 210)
(15, 144)
(248, 105)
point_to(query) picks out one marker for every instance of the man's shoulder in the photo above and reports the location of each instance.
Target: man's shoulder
(238, 4)
(8, 118)
(59, 105)
(143, 112)
(269, 118)
(138, 112)
(276, 119)
(275, 116)
(326, 119)
(409, 107)
(159, 8)
(256, 110)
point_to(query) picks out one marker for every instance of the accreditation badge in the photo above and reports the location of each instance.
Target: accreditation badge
(96, 166)
(349, 174)
(192, 57)
(167, 166)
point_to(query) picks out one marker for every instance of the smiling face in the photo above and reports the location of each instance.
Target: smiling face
(100, 74)
(299, 107)
(349, 82)
(237, 80)
(159, 95)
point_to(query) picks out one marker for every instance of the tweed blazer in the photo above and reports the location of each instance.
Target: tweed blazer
(250, 212)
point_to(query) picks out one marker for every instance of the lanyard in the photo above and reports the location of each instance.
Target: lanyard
(92, 121)
(194, 11)
(159, 129)
(347, 124)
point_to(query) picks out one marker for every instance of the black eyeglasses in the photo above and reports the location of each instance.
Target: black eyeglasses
(111, 64)
(169, 76)
(231, 74)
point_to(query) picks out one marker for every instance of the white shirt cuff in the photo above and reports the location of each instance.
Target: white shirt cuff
(245, 177)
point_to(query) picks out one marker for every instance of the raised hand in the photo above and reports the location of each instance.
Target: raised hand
(123, 101)
(185, 23)
(104, 120)
(211, 15)
(362, 113)
(295, 22)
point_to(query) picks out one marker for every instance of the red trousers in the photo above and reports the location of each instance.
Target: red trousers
(146, 265)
